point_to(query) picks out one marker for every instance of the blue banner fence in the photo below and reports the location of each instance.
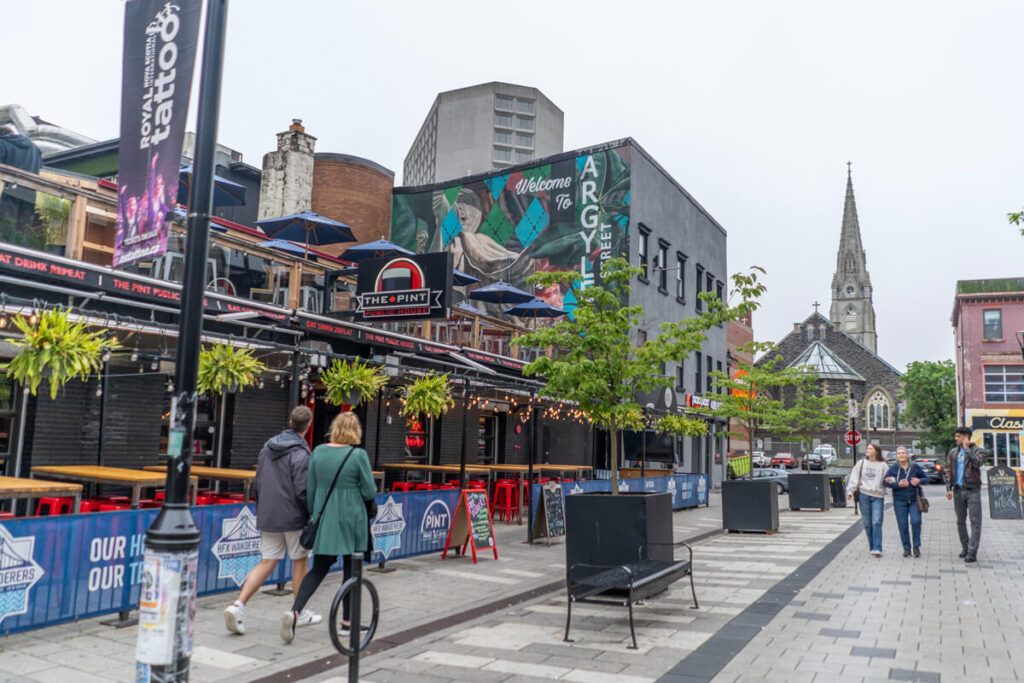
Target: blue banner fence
(68, 567)
(688, 490)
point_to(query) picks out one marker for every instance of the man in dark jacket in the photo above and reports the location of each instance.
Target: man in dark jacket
(963, 486)
(281, 512)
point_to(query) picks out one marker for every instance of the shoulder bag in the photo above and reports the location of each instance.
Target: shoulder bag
(922, 502)
(856, 491)
(307, 539)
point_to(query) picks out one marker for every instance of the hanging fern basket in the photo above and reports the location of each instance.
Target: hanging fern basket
(352, 383)
(225, 369)
(429, 395)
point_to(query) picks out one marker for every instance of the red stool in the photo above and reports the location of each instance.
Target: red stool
(453, 482)
(423, 486)
(159, 496)
(477, 484)
(232, 498)
(54, 506)
(6, 515)
(149, 504)
(449, 487)
(113, 499)
(402, 487)
(206, 500)
(113, 507)
(90, 505)
(505, 501)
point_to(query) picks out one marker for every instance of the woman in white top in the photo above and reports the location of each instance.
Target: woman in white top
(868, 477)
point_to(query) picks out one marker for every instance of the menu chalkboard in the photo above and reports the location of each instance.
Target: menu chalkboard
(550, 520)
(1003, 494)
(471, 525)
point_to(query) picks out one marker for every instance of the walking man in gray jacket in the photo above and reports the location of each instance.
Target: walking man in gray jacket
(281, 512)
(963, 486)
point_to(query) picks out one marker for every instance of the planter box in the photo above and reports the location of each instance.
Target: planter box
(750, 505)
(809, 490)
(603, 529)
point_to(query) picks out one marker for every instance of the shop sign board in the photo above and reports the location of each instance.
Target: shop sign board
(1003, 493)
(404, 287)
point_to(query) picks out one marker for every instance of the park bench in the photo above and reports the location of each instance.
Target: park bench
(625, 584)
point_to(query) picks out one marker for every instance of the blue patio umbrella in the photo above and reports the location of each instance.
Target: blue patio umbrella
(460, 279)
(500, 293)
(466, 308)
(307, 227)
(287, 247)
(225, 192)
(537, 308)
(375, 249)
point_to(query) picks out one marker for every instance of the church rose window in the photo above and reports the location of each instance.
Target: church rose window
(878, 411)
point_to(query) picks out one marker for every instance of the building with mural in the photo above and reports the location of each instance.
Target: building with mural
(572, 212)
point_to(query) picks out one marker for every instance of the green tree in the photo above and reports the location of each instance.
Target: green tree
(810, 412)
(929, 388)
(748, 398)
(596, 361)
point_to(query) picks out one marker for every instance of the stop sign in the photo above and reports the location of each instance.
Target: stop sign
(853, 438)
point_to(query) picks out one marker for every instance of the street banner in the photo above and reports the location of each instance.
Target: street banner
(156, 79)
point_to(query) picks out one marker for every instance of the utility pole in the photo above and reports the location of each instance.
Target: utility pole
(168, 600)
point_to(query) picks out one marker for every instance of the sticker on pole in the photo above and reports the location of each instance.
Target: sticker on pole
(158, 606)
(853, 438)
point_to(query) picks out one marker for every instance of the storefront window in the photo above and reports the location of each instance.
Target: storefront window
(1004, 383)
(36, 220)
(1002, 448)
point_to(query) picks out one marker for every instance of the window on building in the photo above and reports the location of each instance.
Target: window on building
(502, 154)
(709, 381)
(524, 106)
(503, 102)
(680, 277)
(720, 290)
(503, 120)
(523, 124)
(524, 140)
(700, 288)
(718, 365)
(680, 377)
(642, 251)
(697, 374)
(1004, 383)
(641, 337)
(503, 137)
(879, 411)
(993, 323)
(662, 368)
(710, 283)
(662, 266)
(523, 156)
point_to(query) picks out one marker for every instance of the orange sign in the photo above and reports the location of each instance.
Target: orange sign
(750, 395)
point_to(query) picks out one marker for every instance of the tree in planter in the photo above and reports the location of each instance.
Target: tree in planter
(929, 388)
(56, 349)
(226, 369)
(597, 363)
(747, 397)
(352, 383)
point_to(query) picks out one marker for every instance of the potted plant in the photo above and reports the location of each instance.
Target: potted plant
(429, 395)
(226, 369)
(352, 383)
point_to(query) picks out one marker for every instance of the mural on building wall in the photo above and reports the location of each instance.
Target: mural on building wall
(572, 214)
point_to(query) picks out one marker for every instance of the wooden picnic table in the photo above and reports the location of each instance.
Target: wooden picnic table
(443, 469)
(14, 487)
(247, 477)
(519, 469)
(120, 476)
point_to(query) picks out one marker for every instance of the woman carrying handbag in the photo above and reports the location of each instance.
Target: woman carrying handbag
(339, 485)
(904, 478)
(866, 479)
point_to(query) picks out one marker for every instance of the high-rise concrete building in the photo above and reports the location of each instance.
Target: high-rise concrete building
(483, 128)
(852, 307)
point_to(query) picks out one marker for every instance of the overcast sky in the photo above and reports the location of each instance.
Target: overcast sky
(754, 107)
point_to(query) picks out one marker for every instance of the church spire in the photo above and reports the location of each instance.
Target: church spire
(852, 307)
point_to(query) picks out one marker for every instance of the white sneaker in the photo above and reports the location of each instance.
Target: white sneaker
(288, 627)
(308, 618)
(233, 617)
(876, 553)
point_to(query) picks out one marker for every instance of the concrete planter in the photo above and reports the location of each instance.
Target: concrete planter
(809, 491)
(750, 506)
(603, 529)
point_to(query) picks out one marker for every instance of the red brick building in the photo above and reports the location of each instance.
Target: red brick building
(987, 317)
(355, 191)
(738, 333)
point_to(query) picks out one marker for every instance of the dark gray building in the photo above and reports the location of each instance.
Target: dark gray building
(573, 211)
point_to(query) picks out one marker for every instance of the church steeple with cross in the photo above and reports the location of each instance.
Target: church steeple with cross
(852, 307)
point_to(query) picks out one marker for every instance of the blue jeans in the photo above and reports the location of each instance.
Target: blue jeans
(871, 514)
(903, 510)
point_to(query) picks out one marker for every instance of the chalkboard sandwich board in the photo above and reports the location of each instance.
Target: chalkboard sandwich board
(1003, 494)
(550, 522)
(471, 525)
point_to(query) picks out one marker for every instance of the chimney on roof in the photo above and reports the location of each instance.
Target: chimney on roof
(286, 186)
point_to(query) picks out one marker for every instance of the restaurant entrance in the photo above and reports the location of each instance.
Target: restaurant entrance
(1003, 448)
(491, 439)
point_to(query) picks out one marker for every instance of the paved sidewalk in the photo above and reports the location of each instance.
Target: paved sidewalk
(896, 618)
(421, 591)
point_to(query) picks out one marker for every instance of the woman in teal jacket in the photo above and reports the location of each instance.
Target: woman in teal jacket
(343, 528)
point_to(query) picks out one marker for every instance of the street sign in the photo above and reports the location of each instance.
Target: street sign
(853, 408)
(853, 438)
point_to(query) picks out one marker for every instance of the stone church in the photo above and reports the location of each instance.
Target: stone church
(842, 350)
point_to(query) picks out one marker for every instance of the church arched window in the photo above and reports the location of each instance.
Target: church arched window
(879, 411)
(851, 310)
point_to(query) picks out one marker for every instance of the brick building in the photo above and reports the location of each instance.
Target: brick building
(987, 315)
(355, 191)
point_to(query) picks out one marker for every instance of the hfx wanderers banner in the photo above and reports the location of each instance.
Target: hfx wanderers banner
(159, 53)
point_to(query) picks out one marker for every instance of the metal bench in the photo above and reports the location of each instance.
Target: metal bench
(625, 584)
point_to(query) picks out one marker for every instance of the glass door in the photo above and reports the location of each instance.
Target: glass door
(486, 441)
(1003, 448)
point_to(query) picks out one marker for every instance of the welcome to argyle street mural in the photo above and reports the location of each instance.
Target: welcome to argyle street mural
(571, 214)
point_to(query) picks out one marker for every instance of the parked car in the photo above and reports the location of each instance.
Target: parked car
(813, 461)
(933, 467)
(828, 454)
(780, 478)
(786, 459)
(761, 459)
